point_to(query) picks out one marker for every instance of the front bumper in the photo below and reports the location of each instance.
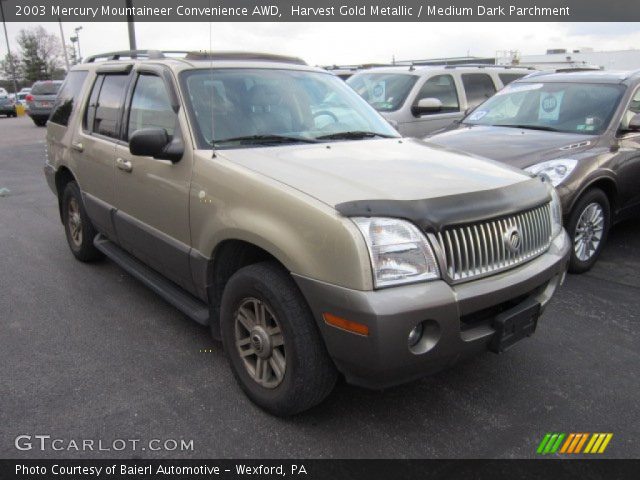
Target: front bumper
(458, 318)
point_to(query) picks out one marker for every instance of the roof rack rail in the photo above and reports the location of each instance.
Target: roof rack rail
(191, 55)
(266, 57)
(133, 54)
(488, 65)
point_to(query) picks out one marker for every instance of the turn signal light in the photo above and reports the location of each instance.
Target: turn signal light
(344, 324)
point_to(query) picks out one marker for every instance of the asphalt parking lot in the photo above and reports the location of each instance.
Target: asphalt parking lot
(87, 352)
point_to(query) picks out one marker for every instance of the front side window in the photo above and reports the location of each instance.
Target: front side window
(150, 106)
(249, 107)
(67, 97)
(386, 92)
(442, 87)
(477, 87)
(553, 106)
(103, 116)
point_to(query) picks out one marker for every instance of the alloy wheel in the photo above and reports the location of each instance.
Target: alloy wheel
(260, 343)
(589, 231)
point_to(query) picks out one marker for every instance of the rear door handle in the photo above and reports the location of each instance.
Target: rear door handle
(124, 165)
(77, 146)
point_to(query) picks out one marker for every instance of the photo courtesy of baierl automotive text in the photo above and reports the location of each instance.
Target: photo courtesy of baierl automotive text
(319, 238)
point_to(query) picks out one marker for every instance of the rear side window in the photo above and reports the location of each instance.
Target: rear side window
(478, 87)
(105, 105)
(507, 78)
(45, 88)
(442, 87)
(67, 98)
(150, 106)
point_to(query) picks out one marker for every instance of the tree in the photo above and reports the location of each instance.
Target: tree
(39, 52)
(9, 65)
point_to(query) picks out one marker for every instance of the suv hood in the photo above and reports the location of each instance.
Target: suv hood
(389, 169)
(518, 147)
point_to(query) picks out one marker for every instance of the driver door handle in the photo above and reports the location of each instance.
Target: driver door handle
(77, 146)
(124, 165)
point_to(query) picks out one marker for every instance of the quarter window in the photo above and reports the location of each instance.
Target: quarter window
(67, 98)
(507, 78)
(150, 106)
(442, 87)
(478, 87)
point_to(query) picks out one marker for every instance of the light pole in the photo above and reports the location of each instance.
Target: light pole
(131, 26)
(64, 45)
(11, 59)
(77, 30)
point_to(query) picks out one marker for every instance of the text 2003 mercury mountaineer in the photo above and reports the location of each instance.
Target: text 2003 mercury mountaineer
(267, 199)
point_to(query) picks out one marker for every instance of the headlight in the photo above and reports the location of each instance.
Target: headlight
(554, 170)
(556, 214)
(399, 252)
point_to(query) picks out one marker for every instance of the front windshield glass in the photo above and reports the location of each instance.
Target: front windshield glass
(563, 107)
(386, 92)
(250, 107)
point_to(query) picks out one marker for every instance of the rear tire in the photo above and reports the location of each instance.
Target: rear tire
(39, 122)
(277, 355)
(588, 227)
(77, 225)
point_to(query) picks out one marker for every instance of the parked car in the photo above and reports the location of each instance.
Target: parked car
(3, 92)
(309, 246)
(22, 99)
(421, 100)
(41, 99)
(8, 106)
(582, 131)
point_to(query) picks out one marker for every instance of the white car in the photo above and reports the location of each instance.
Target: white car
(418, 100)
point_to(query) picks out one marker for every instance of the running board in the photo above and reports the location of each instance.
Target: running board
(172, 293)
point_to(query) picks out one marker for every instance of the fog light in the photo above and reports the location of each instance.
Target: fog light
(415, 335)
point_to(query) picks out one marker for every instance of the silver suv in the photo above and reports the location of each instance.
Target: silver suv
(419, 100)
(266, 199)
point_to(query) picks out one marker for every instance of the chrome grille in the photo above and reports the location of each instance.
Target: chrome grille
(480, 249)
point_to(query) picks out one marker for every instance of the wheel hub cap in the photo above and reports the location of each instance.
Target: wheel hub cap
(260, 343)
(589, 230)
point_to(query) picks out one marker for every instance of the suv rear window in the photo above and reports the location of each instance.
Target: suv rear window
(67, 98)
(386, 92)
(478, 87)
(45, 88)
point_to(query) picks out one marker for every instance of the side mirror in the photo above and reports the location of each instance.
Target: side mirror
(426, 105)
(154, 142)
(634, 123)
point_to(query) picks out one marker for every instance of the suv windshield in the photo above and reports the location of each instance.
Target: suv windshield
(248, 107)
(46, 88)
(561, 107)
(386, 92)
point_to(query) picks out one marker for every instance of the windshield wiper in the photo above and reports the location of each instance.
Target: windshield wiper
(544, 128)
(264, 139)
(353, 135)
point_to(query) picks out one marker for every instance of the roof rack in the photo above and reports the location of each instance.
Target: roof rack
(487, 65)
(190, 55)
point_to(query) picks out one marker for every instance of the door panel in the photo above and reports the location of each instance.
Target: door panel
(152, 196)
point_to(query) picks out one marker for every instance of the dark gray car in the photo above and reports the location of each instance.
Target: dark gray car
(41, 99)
(8, 106)
(582, 130)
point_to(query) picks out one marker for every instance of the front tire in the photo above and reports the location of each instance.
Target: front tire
(77, 225)
(588, 226)
(272, 342)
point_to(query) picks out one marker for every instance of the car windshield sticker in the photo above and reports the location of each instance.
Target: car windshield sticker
(477, 115)
(550, 106)
(523, 87)
(378, 92)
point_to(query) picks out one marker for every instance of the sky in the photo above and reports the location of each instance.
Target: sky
(352, 43)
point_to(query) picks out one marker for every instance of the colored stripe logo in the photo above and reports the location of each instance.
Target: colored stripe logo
(574, 443)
